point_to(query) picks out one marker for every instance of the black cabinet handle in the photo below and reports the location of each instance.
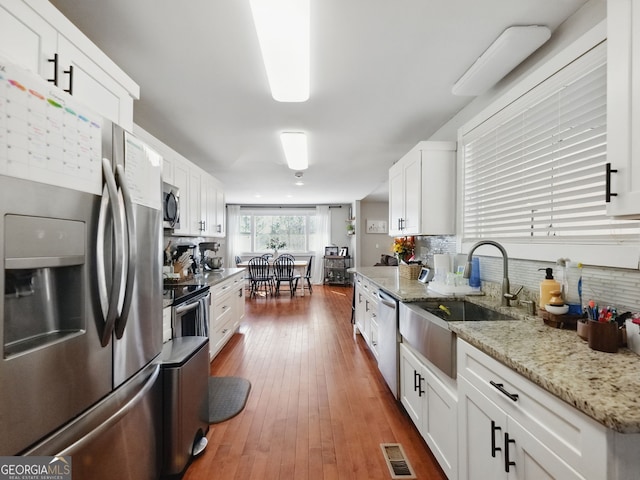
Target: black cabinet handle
(608, 194)
(494, 449)
(70, 73)
(420, 390)
(416, 381)
(507, 462)
(54, 60)
(500, 386)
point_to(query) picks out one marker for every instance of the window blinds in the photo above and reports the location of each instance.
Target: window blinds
(535, 170)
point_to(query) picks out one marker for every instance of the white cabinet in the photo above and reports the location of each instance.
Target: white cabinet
(623, 107)
(510, 428)
(227, 310)
(366, 312)
(37, 36)
(211, 207)
(422, 189)
(405, 182)
(429, 397)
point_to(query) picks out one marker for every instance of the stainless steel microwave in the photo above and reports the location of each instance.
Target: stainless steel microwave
(170, 206)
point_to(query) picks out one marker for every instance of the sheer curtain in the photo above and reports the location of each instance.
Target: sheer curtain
(323, 222)
(233, 234)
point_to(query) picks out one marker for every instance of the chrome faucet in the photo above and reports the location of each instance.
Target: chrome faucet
(506, 295)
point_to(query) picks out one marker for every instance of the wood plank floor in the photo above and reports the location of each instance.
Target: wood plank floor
(318, 407)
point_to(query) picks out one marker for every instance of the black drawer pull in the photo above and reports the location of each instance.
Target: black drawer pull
(507, 462)
(500, 386)
(54, 60)
(608, 194)
(494, 449)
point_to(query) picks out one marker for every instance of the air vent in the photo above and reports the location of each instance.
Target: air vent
(399, 466)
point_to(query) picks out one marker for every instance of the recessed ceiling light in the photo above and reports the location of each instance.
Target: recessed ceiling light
(283, 33)
(295, 149)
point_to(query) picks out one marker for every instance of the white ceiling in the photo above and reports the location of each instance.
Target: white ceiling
(381, 79)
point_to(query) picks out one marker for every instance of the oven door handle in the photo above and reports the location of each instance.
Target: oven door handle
(187, 308)
(109, 299)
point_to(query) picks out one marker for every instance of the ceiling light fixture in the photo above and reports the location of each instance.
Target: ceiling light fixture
(299, 181)
(503, 55)
(295, 149)
(283, 33)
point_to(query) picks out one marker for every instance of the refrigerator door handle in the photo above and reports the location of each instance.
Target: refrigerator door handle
(131, 257)
(113, 419)
(109, 300)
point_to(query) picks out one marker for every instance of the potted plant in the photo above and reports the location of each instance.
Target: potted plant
(275, 244)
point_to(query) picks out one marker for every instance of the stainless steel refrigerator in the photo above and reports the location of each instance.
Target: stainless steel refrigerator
(81, 324)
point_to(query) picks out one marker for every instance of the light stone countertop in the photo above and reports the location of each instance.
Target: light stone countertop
(604, 386)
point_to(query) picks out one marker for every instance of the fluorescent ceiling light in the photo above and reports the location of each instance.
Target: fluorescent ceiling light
(283, 32)
(509, 50)
(295, 149)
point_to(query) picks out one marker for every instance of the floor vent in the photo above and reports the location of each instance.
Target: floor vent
(399, 466)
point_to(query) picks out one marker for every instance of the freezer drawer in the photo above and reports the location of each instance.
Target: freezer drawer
(185, 378)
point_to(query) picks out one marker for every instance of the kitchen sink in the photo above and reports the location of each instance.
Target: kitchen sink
(460, 310)
(424, 326)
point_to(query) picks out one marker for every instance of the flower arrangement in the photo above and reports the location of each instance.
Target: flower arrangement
(404, 248)
(274, 243)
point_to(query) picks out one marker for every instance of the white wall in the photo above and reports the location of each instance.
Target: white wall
(372, 245)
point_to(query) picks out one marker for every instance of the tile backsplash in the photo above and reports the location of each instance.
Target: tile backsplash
(617, 287)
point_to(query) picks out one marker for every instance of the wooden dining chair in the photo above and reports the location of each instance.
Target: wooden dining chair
(260, 276)
(307, 276)
(284, 271)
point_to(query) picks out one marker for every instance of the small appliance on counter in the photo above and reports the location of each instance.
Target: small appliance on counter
(209, 256)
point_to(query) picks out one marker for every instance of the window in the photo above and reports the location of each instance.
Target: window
(295, 227)
(535, 171)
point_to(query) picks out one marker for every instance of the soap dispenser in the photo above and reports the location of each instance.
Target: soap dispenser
(548, 285)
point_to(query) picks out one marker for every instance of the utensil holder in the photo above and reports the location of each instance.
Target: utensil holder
(604, 337)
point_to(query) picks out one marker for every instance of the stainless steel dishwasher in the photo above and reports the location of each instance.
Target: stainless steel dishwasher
(388, 339)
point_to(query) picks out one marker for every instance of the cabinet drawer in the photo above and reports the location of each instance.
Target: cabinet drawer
(223, 306)
(574, 437)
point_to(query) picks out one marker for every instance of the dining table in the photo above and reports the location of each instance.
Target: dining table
(298, 265)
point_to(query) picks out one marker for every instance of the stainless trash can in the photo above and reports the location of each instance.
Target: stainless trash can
(185, 381)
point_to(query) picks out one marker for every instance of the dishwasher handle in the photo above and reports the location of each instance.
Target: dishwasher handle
(387, 300)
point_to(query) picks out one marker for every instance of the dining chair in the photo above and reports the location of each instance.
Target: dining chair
(260, 276)
(287, 255)
(307, 277)
(284, 271)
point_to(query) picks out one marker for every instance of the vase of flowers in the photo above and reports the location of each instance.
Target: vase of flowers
(275, 244)
(403, 248)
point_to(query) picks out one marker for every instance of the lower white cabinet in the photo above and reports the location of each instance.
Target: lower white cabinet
(429, 397)
(509, 428)
(227, 309)
(366, 313)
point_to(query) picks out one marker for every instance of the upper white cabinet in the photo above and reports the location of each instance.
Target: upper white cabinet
(422, 191)
(623, 107)
(38, 37)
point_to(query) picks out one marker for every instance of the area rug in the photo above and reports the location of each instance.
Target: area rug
(227, 397)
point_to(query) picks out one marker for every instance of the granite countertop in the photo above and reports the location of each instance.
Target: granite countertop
(209, 279)
(174, 290)
(402, 289)
(604, 386)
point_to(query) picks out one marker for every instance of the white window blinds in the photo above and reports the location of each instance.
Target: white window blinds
(535, 171)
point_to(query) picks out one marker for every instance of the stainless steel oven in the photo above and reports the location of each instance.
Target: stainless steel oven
(190, 314)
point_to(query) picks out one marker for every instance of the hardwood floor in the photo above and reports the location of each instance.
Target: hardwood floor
(318, 407)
